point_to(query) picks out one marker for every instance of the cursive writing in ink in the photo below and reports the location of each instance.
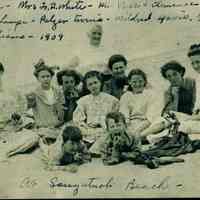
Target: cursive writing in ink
(134, 184)
(91, 184)
(4, 20)
(52, 20)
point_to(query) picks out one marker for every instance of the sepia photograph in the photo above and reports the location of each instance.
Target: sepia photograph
(99, 99)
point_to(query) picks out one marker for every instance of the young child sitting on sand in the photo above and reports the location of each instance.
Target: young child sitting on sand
(117, 142)
(119, 146)
(67, 153)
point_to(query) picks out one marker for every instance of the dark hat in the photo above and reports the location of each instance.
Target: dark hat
(173, 65)
(41, 66)
(116, 58)
(66, 72)
(194, 50)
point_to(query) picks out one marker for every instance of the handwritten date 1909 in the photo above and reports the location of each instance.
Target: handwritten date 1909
(52, 36)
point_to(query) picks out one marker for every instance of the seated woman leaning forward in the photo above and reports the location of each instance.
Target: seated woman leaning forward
(190, 123)
(92, 108)
(47, 105)
(182, 98)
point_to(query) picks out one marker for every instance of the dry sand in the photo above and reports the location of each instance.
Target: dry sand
(146, 47)
(24, 176)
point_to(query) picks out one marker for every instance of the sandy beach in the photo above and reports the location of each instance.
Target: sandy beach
(24, 176)
(146, 46)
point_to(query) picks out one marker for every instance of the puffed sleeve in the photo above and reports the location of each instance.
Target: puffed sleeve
(79, 116)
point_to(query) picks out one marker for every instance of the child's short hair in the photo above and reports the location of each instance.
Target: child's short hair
(116, 116)
(116, 58)
(71, 133)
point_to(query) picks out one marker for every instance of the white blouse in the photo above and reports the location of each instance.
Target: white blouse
(93, 109)
(146, 105)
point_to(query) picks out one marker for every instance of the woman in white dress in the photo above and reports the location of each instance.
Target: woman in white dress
(141, 107)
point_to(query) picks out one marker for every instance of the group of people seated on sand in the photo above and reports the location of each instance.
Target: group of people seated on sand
(104, 115)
